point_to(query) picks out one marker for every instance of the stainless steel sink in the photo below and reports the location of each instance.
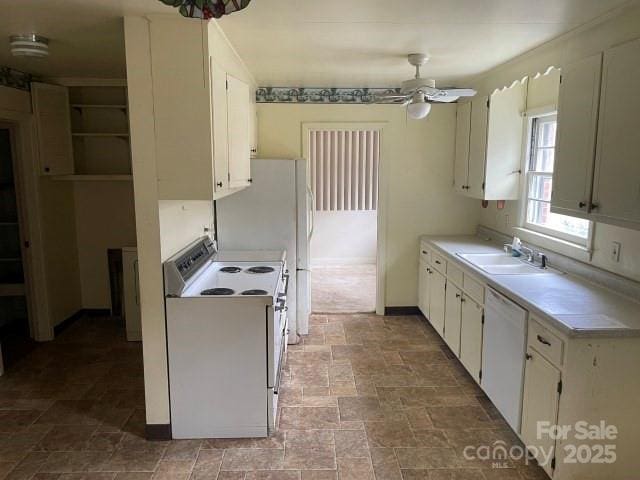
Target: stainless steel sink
(502, 264)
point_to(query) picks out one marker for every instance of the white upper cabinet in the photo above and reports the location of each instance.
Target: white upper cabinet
(201, 118)
(576, 137)
(461, 162)
(597, 172)
(493, 133)
(53, 128)
(238, 122)
(616, 184)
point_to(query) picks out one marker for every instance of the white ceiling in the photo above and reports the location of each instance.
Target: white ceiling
(312, 42)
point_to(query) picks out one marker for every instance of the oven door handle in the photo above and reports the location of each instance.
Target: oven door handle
(286, 284)
(276, 387)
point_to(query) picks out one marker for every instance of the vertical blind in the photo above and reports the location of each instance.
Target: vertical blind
(344, 169)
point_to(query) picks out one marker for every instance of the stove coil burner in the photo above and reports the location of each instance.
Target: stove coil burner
(254, 292)
(260, 269)
(230, 269)
(217, 291)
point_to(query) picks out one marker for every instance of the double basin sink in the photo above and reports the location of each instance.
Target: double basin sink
(502, 264)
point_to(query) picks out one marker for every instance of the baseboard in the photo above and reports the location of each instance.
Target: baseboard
(90, 312)
(158, 431)
(398, 311)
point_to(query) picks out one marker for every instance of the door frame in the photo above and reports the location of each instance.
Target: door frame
(24, 157)
(381, 210)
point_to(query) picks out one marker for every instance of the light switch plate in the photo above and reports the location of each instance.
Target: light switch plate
(615, 251)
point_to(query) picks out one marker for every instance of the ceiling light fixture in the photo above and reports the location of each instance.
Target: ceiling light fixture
(29, 45)
(419, 107)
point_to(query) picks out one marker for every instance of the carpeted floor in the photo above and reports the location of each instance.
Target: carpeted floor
(343, 289)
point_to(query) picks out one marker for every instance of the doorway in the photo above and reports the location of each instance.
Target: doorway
(344, 166)
(15, 334)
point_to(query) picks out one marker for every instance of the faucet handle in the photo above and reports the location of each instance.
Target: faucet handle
(543, 260)
(508, 248)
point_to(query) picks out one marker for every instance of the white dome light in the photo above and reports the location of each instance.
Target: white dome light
(30, 45)
(419, 107)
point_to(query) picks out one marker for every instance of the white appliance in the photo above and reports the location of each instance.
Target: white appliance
(503, 355)
(226, 319)
(275, 212)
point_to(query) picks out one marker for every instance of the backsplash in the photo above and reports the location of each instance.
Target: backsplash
(612, 281)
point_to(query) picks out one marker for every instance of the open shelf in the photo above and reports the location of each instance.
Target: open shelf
(94, 178)
(97, 134)
(11, 289)
(95, 105)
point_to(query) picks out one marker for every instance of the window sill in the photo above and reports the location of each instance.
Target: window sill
(564, 247)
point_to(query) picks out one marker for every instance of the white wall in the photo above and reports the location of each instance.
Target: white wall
(182, 222)
(621, 28)
(344, 238)
(416, 177)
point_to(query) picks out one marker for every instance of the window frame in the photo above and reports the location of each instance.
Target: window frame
(530, 143)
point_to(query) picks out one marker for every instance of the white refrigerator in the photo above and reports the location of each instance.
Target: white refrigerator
(275, 213)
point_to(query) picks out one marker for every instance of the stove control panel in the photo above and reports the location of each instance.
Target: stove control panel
(182, 266)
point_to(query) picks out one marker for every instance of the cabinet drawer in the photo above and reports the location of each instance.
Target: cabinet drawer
(454, 274)
(439, 263)
(473, 288)
(545, 342)
(425, 254)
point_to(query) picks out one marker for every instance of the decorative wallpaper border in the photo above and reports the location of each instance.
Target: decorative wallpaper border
(15, 78)
(320, 95)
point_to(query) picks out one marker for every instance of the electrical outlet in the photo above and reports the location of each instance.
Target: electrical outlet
(615, 251)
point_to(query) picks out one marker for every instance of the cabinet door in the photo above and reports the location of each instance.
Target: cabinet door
(437, 284)
(423, 288)
(238, 132)
(53, 126)
(220, 139)
(471, 337)
(253, 128)
(477, 147)
(616, 186)
(452, 318)
(576, 136)
(504, 143)
(540, 402)
(461, 162)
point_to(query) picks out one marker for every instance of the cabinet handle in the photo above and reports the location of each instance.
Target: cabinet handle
(219, 184)
(595, 206)
(458, 295)
(528, 356)
(544, 341)
(582, 204)
(250, 180)
(47, 169)
(424, 251)
(463, 300)
(438, 262)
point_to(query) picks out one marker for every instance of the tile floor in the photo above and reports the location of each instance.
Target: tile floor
(343, 289)
(365, 398)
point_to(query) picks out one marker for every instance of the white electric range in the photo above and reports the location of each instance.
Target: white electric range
(227, 328)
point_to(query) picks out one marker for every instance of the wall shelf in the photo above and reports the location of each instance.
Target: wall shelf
(12, 289)
(96, 134)
(94, 178)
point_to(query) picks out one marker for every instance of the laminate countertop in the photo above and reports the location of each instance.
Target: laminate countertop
(571, 304)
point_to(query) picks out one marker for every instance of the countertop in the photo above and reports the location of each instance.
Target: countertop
(574, 306)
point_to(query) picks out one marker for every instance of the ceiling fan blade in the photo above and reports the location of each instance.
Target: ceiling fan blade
(443, 99)
(458, 92)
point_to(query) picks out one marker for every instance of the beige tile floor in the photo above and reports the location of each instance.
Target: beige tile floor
(343, 289)
(364, 398)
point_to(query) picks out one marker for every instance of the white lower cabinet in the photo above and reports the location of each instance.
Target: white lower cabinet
(471, 337)
(453, 317)
(540, 404)
(437, 286)
(423, 288)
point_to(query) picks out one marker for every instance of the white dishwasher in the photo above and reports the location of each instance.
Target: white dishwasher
(503, 355)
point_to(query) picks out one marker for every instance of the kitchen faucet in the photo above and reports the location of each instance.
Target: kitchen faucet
(529, 252)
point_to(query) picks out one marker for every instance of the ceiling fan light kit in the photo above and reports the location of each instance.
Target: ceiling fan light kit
(29, 45)
(418, 93)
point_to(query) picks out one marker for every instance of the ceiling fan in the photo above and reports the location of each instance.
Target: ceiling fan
(418, 93)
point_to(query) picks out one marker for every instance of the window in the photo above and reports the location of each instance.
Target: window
(539, 178)
(344, 168)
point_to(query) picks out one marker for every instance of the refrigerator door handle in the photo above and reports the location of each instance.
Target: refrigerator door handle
(312, 209)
